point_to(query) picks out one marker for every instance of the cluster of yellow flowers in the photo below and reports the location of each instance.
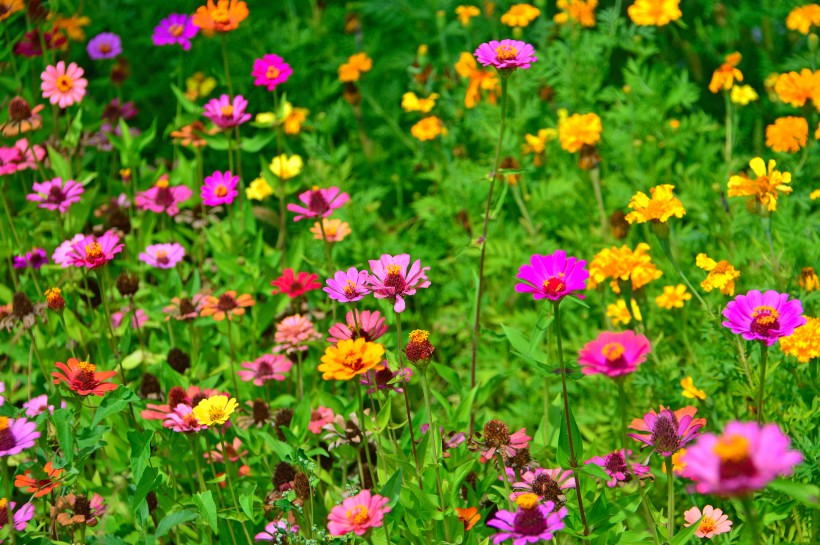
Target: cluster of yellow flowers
(659, 208)
(283, 167)
(802, 18)
(722, 275)
(623, 264)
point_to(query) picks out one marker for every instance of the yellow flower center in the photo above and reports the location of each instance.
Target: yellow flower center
(527, 501)
(419, 335)
(227, 110)
(272, 72)
(734, 448)
(87, 367)
(350, 288)
(220, 190)
(554, 285)
(162, 256)
(4, 422)
(765, 315)
(93, 250)
(64, 84)
(162, 183)
(613, 351)
(331, 230)
(215, 413)
(358, 515)
(505, 53)
(393, 269)
(707, 524)
(221, 15)
(175, 30)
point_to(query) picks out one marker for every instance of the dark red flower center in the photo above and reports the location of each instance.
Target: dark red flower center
(496, 433)
(529, 522)
(665, 436)
(548, 488)
(395, 279)
(55, 195)
(264, 369)
(555, 286)
(4, 513)
(186, 306)
(7, 439)
(86, 378)
(615, 463)
(261, 412)
(735, 460)
(764, 320)
(82, 506)
(226, 303)
(177, 396)
(164, 196)
(317, 203)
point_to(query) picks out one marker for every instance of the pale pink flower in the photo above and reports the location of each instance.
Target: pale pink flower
(293, 333)
(63, 85)
(710, 523)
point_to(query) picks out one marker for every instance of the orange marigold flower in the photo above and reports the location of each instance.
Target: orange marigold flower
(294, 117)
(350, 358)
(71, 26)
(428, 128)
(223, 16)
(660, 207)
(726, 75)
(787, 134)
(795, 88)
(465, 13)
(808, 279)
(480, 80)
(623, 264)
(520, 15)
(802, 18)
(804, 343)
(39, 487)
(355, 66)
(721, 275)
(226, 305)
(673, 297)
(8, 7)
(412, 103)
(654, 12)
(193, 134)
(468, 516)
(580, 11)
(579, 129)
(765, 187)
(335, 230)
(83, 378)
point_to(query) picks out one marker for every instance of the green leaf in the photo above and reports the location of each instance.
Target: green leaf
(685, 534)
(246, 498)
(149, 480)
(173, 519)
(140, 451)
(59, 164)
(257, 142)
(72, 138)
(207, 508)
(187, 105)
(593, 470)
(63, 421)
(392, 489)
(563, 441)
(113, 402)
(807, 494)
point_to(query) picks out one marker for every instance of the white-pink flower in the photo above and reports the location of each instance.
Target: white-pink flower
(163, 256)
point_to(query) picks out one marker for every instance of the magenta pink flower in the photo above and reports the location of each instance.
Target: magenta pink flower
(295, 285)
(669, 431)
(358, 514)
(138, 318)
(553, 276)
(293, 333)
(270, 71)
(20, 156)
(176, 29)
(232, 451)
(746, 457)
(614, 354)
(710, 523)
(18, 518)
(163, 256)
(226, 113)
(618, 470)
(319, 418)
(347, 286)
(547, 484)
(56, 195)
(506, 54)
(265, 368)
(319, 202)
(367, 324)
(16, 435)
(763, 317)
(63, 85)
(529, 523)
(60, 255)
(219, 188)
(389, 278)
(497, 438)
(181, 419)
(92, 252)
(163, 197)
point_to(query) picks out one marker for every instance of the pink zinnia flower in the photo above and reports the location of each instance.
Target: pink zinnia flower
(138, 318)
(181, 419)
(366, 324)
(60, 255)
(319, 418)
(745, 458)
(163, 197)
(497, 438)
(178, 396)
(16, 435)
(506, 54)
(265, 368)
(531, 523)
(277, 531)
(710, 523)
(669, 431)
(106, 45)
(227, 113)
(20, 156)
(614, 354)
(763, 316)
(385, 379)
(389, 278)
(270, 71)
(163, 256)
(618, 470)
(92, 252)
(547, 484)
(319, 202)
(232, 450)
(56, 194)
(38, 405)
(18, 518)
(219, 188)
(185, 308)
(553, 276)
(347, 286)
(294, 286)
(293, 333)
(176, 29)
(358, 514)
(63, 86)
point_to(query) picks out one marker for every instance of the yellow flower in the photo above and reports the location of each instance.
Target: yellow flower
(619, 314)
(465, 13)
(335, 230)
(71, 26)
(285, 168)
(725, 76)
(674, 124)
(795, 88)
(808, 279)
(765, 187)
(623, 264)
(428, 128)
(520, 15)
(654, 12)
(293, 118)
(673, 297)
(215, 410)
(350, 358)
(480, 80)
(355, 66)
(662, 206)
(411, 103)
(259, 189)
(743, 94)
(814, 195)
(580, 11)
(536, 143)
(690, 391)
(721, 275)
(788, 134)
(266, 119)
(579, 129)
(198, 86)
(803, 18)
(804, 343)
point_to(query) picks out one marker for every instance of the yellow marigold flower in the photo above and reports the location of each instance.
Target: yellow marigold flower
(411, 103)
(71, 26)
(673, 297)
(619, 314)
(803, 18)
(428, 128)
(654, 12)
(480, 80)
(765, 187)
(690, 391)
(721, 275)
(520, 15)
(662, 206)
(579, 129)
(215, 410)
(285, 168)
(536, 143)
(804, 343)
(293, 118)
(350, 358)
(787, 134)
(259, 189)
(198, 86)
(335, 230)
(795, 88)
(465, 13)
(726, 75)
(580, 11)
(623, 264)
(814, 195)
(808, 280)
(266, 119)
(743, 94)
(674, 124)
(355, 66)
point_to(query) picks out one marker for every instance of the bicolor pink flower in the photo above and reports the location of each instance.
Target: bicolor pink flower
(163, 256)
(763, 317)
(547, 484)
(319, 418)
(319, 203)
(366, 324)
(506, 54)
(63, 85)
(270, 71)
(358, 514)
(232, 450)
(181, 419)
(295, 285)
(138, 318)
(219, 188)
(20, 156)
(553, 276)
(93, 252)
(178, 396)
(669, 431)
(389, 278)
(710, 523)
(163, 198)
(55, 194)
(497, 438)
(226, 113)
(746, 457)
(176, 29)
(38, 405)
(347, 286)
(265, 368)
(293, 333)
(16, 435)
(614, 354)
(277, 531)
(617, 468)
(530, 523)
(106, 45)
(60, 255)
(18, 518)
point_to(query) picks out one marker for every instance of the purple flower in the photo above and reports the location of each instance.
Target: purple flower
(20, 518)
(227, 113)
(16, 435)
(366, 324)
(176, 29)
(669, 431)
(56, 195)
(163, 198)
(265, 368)
(347, 286)
(35, 259)
(320, 202)
(19, 262)
(531, 523)
(163, 256)
(270, 71)
(547, 484)
(181, 419)
(138, 319)
(553, 276)
(385, 379)
(616, 467)
(2, 389)
(389, 278)
(506, 54)
(104, 46)
(219, 188)
(763, 317)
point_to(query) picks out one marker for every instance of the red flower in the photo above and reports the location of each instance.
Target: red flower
(295, 286)
(82, 377)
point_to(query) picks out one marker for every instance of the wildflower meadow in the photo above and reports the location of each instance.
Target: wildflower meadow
(409, 272)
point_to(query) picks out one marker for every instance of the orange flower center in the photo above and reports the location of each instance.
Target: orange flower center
(353, 362)
(162, 183)
(220, 190)
(734, 448)
(764, 319)
(527, 501)
(272, 72)
(4, 422)
(555, 285)
(93, 250)
(393, 269)
(105, 48)
(419, 335)
(505, 53)
(350, 288)
(162, 257)
(227, 110)
(64, 84)
(358, 515)
(707, 524)
(613, 351)
(175, 30)
(221, 15)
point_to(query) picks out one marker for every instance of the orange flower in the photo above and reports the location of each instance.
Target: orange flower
(227, 304)
(579, 129)
(223, 16)
(428, 128)
(469, 516)
(622, 264)
(192, 135)
(654, 12)
(580, 11)
(725, 76)
(465, 13)
(787, 134)
(39, 487)
(480, 80)
(355, 66)
(82, 377)
(520, 15)
(803, 18)
(8, 7)
(350, 358)
(335, 230)
(796, 88)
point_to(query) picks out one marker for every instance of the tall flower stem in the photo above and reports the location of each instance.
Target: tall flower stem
(407, 404)
(374, 474)
(300, 388)
(483, 239)
(752, 517)
(194, 443)
(595, 176)
(39, 360)
(670, 499)
(111, 339)
(622, 412)
(503, 469)
(233, 357)
(727, 145)
(226, 458)
(764, 357)
(4, 460)
(573, 462)
(435, 438)
(225, 64)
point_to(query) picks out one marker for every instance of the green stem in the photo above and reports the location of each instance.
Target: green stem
(668, 252)
(764, 356)
(225, 64)
(751, 516)
(7, 479)
(503, 469)
(727, 146)
(435, 439)
(227, 460)
(407, 404)
(112, 343)
(233, 357)
(365, 443)
(622, 412)
(670, 499)
(595, 176)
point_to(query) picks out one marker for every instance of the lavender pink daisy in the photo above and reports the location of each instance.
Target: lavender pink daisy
(163, 198)
(347, 286)
(106, 45)
(293, 333)
(19, 518)
(616, 466)
(181, 419)
(60, 255)
(163, 256)
(506, 54)
(21, 156)
(35, 259)
(16, 435)
(265, 368)
(530, 523)
(219, 188)
(764, 317)
(389, 278)
(225, 112)
(55, 194)
(669, 431)
(270, 71)
(366, 324)
(318, 202)
(553, 276)
(547, 484)
(176, 29)
(614, 354)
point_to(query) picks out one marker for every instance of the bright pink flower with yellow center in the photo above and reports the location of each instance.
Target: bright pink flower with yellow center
(358, 514)
(93, 252)
(319, 202)
(391, 280)
(163, 256)
(63, 85)
(763, 317)
(163, 198)
(219, 188)
(226, 113)
(270, 71)
(348, 286)
(669, 431)
(506, 54)
(614, 354)
(553, 276)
